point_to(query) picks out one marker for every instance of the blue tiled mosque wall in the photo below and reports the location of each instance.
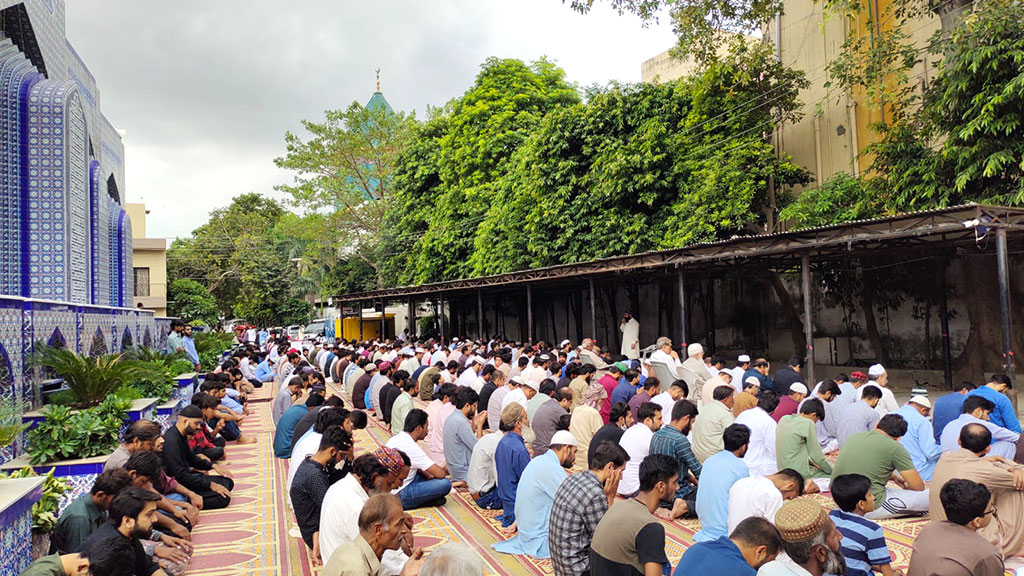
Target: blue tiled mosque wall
(25, 323)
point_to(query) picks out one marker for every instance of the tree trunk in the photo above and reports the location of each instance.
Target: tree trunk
(867, 308)
(983, 349)
(951, 13)
(789, 313)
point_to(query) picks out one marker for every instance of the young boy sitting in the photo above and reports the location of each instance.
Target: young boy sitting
(863, 544)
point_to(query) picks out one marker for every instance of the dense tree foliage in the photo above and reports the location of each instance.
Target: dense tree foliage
(192, 302)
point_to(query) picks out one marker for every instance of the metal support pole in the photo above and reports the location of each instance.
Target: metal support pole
(383, 327)
(1004, 307)
(805, 272)
(440, 314)
(360, 304)
(947, 359)
(710, 343)
(480, 313)
(529, 313)
(412, 318)
(593, 310)
(681, 281)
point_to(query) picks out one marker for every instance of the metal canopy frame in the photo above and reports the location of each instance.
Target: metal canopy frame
(943, 227)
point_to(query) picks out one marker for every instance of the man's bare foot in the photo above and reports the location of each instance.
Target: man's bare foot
(245, 440)
(459, 484)
(811, 487)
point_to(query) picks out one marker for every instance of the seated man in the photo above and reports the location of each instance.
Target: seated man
(995, 391)
(87, 513)
(106, 558)
(859, 416)
(510, 459)
(949, 407)
(140, 435)
(790, 401)
(671, 441)
(1003, 478)
(920, 439)
(878, 454)
(753, 543)
(952, 547)
(315, 475)
(536, 495)
(426, 484)
(797, 447)
(762, 496)
(712, 421)
(760, 456)
(184, 466)
(131, 518)
(383, 527)
(286, 397)
(810, 539)
(580, 503)
(636, 441)
(977, 410)
(828, 429)
(863, 541)
(462, 430)
(720, 472)
(286, 425)
(482, 474)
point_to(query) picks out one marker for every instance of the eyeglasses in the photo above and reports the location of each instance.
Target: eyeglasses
(991, 511)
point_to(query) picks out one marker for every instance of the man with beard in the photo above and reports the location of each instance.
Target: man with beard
(377, 472)
(630, 539)
(810, 540)
(536, 495)
(461, 431)
(181, 463)
(131, 518)
(671, 441)
(315, 475)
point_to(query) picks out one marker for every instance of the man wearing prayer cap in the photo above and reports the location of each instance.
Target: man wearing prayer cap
(809, 538)
(877, 376)
(737, 371)
(694, 371)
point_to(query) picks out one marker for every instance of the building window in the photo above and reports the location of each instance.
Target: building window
(142, 281)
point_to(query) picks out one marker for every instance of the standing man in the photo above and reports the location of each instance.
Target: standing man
(174, 343)
(630, 329)
(190, 347)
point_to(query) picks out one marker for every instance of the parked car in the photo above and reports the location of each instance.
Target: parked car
(314, 329)
(294, 332)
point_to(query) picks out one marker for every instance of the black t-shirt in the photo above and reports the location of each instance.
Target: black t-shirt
(388, 394)
(606, 432)
(144, 565)
(485, 397)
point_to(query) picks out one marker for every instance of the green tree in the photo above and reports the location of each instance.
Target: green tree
(190, 301)
(344, 171)
(448, 174)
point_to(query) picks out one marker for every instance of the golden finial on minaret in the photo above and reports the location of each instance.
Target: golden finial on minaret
(378, 79)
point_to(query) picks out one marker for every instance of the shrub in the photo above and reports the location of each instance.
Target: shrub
(91, 379)
(65, 434)
(44, 512)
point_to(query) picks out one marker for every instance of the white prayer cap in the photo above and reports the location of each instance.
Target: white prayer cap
(473, 360)
(753, 380)
(420, 350)
(694, 349)
(743, 359)
(564, 343)
(876, 370)
(563, 438)
(529, 383)
(921, 401)
(797, 388)
(406, 352)
(518, 380)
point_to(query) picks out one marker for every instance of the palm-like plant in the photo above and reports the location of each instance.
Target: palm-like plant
(91, 380)
(10, 420)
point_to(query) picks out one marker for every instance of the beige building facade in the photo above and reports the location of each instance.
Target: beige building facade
(149, 262)
(836, 123)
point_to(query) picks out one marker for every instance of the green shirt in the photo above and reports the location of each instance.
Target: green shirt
(796, 447)
(399, 410)
(80, 519)
(46, 566)
(875, 455)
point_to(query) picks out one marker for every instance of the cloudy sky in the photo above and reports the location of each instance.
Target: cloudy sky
(204, 91)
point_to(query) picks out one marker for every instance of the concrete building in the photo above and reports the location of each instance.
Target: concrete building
(149, 264)
(836, 124)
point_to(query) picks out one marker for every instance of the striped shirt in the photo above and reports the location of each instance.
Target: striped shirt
(863, 543)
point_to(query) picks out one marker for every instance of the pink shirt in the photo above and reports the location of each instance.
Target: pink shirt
(437, 414)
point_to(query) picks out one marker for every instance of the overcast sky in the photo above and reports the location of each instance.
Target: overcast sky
(204, 91)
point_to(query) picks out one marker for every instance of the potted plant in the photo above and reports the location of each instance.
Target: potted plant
(159, 383)
(91, 379)
(44, 512)
(65, 434)
(11, 411)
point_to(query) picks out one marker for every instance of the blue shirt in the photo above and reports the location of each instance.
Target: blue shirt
(623, 392)
(264, 373)
(285, 428)
(190, 349)
(261, 338)
(719, 473)
(540, 482)
(510, 459)
(232, 404)
(719, 557)
(863, 543)
(946, 409)
(1004, 442)
(766, 381)
(1003, 415)
(920, 441)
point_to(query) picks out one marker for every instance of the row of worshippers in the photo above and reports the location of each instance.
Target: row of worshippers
(148, 498)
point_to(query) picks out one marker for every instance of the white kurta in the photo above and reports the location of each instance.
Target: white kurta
(630, 338)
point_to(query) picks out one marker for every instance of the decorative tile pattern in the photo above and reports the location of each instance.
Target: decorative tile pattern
(16, 544)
